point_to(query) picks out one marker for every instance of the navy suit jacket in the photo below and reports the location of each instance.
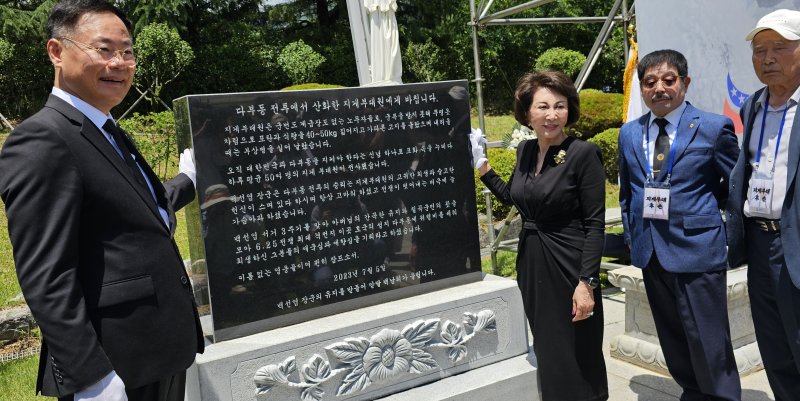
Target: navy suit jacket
(790, 213)
(693, 239)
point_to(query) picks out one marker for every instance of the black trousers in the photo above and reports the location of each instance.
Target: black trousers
(691, 316)
(775, 305)
(169, 389)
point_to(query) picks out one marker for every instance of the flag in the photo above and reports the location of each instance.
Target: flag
(632, 98)
(737, 98)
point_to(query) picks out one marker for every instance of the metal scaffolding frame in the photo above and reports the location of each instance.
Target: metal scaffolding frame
(621, 12)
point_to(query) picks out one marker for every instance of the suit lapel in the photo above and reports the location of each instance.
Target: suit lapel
(99, 141)
(685, 132)
(638, 140)
(794, 151)
(749, 120)
(93, 135)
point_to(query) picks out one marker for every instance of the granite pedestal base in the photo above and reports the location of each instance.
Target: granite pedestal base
(639, 344)
(465, 342)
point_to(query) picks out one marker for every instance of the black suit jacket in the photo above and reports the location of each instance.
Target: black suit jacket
(98, 268)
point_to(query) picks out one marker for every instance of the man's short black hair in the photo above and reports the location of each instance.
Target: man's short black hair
(66, 14)
(671, 57)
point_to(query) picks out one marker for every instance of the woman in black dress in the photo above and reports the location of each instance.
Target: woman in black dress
(558, 186)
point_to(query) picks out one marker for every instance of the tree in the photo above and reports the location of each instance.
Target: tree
(558, 58)
(174, 13)
(26, 78)
(300, 62)
(6, 53)
(426, 61)
(161, 55)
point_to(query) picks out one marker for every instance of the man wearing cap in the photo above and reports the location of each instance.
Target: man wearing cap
(763, 214)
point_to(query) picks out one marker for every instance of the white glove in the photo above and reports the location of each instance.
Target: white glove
(109, 388)
(478, 141)
(186, 165)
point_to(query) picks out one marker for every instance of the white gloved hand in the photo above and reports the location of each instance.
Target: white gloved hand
(186, 165)
(478, 141)
(109, 388)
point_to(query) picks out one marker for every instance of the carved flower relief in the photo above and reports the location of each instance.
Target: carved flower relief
(385, 355)
(389, 354)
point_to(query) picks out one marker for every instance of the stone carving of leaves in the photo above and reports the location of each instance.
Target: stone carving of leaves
(272, 375)
(312, 394)
(316, 371)
(456, 353)
(350, 351)
(422, 361)
(483, 320)
(420, 333)
(452, 334)
(357, 380)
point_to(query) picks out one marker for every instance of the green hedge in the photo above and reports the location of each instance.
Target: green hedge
(310, 86)
(502, 162)
(599, 112)
(155, 137)
(567, 61)
(607, 142)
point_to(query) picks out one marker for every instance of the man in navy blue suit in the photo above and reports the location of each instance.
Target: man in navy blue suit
(763, 214)
(674, 163)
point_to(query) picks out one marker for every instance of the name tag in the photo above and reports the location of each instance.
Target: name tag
(656, 202)
(759, 196)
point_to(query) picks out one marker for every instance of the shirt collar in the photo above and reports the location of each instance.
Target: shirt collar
(673, 117)
(97, 117)
(794, 99)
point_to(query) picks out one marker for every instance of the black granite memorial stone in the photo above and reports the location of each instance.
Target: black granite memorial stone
(315, 202)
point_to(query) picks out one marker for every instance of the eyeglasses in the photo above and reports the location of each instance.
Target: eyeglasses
(125, 55)
(667, 82)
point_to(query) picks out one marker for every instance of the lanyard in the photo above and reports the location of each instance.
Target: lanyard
(761, 138)
(671, 156)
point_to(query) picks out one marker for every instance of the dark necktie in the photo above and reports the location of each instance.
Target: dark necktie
(662, 146)
(122, 143)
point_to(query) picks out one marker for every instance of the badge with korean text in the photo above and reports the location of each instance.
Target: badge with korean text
(759, 196)
(656, 202)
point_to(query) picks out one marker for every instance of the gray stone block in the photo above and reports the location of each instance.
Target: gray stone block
(377, 351)
(639, 344)
(514, 379)
(15, 323)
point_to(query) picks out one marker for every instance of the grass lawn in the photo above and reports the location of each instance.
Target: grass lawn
(18, 380)
(8, 277)
(612, 195)
(496, 126)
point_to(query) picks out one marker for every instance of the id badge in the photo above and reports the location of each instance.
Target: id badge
(656, 201)
(759, 196)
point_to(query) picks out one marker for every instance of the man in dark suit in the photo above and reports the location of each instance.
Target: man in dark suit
(763, 214)
(674, 163)
(92, 226)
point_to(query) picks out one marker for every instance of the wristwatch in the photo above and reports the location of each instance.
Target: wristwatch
(590, 281)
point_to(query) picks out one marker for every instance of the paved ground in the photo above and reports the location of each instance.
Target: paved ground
(629, 382)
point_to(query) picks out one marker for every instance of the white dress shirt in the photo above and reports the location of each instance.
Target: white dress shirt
(768, 160)
(673, 118)
(98, 118)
